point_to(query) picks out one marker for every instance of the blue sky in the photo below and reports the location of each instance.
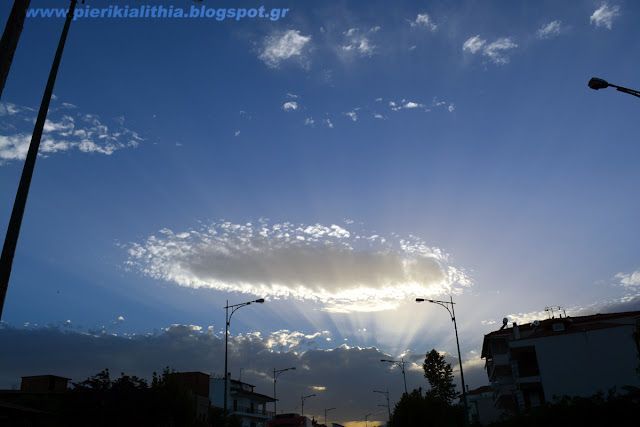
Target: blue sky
(338, 162)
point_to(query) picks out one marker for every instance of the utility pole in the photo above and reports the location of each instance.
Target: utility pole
(10, 38)
(13, 230)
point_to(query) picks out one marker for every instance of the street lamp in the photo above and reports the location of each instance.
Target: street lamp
(386, 394)
(596, 83)
(303, 399)
(366, 419)
(325, 414)
(452, 313)
(276, 374)
(233, 308)
(401, 365)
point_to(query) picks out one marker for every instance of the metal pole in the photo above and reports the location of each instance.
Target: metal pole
(10, 38)
(275, 405)
(464, 390)
(13, 230)
(226, 346)
(404, 376)
(325, 413)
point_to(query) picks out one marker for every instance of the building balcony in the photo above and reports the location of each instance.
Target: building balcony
(257, 412)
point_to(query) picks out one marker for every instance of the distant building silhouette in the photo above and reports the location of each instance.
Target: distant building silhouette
(574, 356)
(44, 383)
(197, 383)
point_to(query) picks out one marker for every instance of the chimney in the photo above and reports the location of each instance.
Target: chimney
(516, 331)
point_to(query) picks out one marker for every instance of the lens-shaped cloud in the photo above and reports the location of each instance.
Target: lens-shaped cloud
(334, 265)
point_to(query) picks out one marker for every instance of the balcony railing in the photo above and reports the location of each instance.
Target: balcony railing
(253, 411)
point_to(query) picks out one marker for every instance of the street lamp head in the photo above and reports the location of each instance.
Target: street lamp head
(419, 299)
(260, 301)
(595, 83)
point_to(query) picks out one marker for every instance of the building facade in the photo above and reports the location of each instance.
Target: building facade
(242, 400)
(575, 356)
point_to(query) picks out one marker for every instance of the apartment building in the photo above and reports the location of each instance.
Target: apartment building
(576, 356)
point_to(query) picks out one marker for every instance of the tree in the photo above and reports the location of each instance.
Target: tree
(416, 410)
(440, 376)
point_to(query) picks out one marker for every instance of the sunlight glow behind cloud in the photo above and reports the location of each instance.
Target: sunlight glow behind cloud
(343, 270)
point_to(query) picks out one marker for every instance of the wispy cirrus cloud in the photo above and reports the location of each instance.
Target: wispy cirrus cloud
(359, 42)
(335, 266)
(279, 47)
(549, 30)
(496, 51)
(604, 16)
(65, 129)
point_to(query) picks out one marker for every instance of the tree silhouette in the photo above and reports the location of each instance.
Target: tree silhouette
(440, 376)
(416, 410)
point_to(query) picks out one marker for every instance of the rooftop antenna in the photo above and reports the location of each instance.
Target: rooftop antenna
(555, 307)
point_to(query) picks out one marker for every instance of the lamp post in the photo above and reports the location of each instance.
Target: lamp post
(233, 308)
(276, 374)
(15, 221)
(325, 414)
(303, 399)
(388, 405)
(596, 83)
(452, 313)
(401, 365)
(366, 420)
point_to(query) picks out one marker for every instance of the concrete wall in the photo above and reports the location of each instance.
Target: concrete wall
(584, 363)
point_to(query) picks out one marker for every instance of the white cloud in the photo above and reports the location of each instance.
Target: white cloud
(423, 20)
(290, 105)
(61, 132)
(237, 133)
(309, 122)
(332, 265)
(604, 16)
(549, 30)
(473, 44)
(358, 42)
(495, 51)
(352, 115)
(378, 116)
(280, 47)
(328, 123)
(412, 105)
(627, 280)
(451, 108)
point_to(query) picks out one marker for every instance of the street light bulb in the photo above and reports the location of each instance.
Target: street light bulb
(260, 301)
(595, 83)
(419, 299)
